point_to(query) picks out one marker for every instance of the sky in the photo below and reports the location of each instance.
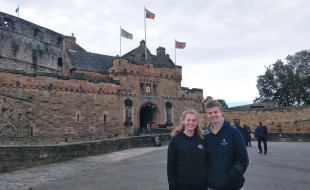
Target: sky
(229, 43)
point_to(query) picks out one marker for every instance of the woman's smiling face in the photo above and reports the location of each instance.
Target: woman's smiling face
(190, 122)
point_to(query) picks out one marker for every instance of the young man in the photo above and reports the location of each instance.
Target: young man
(228, 157)
(261, 134)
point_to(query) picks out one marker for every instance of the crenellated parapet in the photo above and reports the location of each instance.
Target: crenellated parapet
(147, 69)
(194, 93)
(55, 83)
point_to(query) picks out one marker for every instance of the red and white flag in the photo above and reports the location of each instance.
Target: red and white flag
(180, 45)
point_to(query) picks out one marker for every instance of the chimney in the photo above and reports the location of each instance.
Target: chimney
(160, 51)
(142, 43)
(70, 42)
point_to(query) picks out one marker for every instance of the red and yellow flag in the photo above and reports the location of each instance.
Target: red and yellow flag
(149, 14)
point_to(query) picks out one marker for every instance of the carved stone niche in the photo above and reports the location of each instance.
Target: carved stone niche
(169, 114)
(128, 106)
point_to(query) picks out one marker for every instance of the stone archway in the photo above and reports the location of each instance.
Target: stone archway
(148, 113)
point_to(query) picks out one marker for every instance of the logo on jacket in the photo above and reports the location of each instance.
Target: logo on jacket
(200, 146)
(224, 142)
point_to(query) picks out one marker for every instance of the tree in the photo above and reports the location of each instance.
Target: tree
(301, 64)
(222, 101)
(286, 83)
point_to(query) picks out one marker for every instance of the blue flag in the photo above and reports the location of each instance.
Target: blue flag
(17, 10)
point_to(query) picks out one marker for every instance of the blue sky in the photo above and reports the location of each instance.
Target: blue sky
(228, 42)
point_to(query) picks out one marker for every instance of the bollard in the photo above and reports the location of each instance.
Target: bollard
(157, 141)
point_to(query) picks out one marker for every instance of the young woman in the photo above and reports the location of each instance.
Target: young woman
(186, 165)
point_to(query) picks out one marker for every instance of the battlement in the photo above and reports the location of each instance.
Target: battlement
(30, 30)
(58, 83)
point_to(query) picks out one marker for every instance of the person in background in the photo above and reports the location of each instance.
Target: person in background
(187, 155)
(249, 135)
(153, 124)
(261, 133)
(227, 154)
(239, 128)
(246, 132)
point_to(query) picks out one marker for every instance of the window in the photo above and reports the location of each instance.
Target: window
(36, 32)
(8, 23)
(59, 62)
(59, 41)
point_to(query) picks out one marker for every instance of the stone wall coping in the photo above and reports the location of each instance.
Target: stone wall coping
(80, 143)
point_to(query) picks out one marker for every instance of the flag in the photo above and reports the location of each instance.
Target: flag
(180, 45)
(17, 10)
(149, 14)
(126, 34)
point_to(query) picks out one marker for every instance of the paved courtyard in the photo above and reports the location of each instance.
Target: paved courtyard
(285, 167)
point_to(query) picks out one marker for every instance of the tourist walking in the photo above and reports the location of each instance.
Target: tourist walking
(227, 153)
(261, 133)
(186, 165)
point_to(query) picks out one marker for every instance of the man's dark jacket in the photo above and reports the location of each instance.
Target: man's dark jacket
(228, 158)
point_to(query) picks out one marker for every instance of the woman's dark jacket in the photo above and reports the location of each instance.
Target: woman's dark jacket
(186, 161)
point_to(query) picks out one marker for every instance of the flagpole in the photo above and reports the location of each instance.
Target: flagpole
(175, 52)
(120, 41)
(145, 34)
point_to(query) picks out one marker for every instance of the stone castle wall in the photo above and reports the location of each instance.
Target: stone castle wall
(286, 119)
(165, 86)
(72, 110)
(24, 156)
(28, 47)
(58, 108)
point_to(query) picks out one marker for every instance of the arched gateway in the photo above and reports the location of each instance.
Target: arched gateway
(148, 113)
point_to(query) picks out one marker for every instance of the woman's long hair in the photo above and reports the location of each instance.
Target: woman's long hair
(181, 127)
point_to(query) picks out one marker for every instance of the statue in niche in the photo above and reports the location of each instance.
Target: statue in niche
(128, 114)
(169, 114)
(128, 106)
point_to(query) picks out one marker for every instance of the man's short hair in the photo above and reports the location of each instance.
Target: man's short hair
(213, 103)
(260, 123)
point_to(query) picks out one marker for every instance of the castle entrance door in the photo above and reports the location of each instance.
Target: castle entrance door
(148, 114)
